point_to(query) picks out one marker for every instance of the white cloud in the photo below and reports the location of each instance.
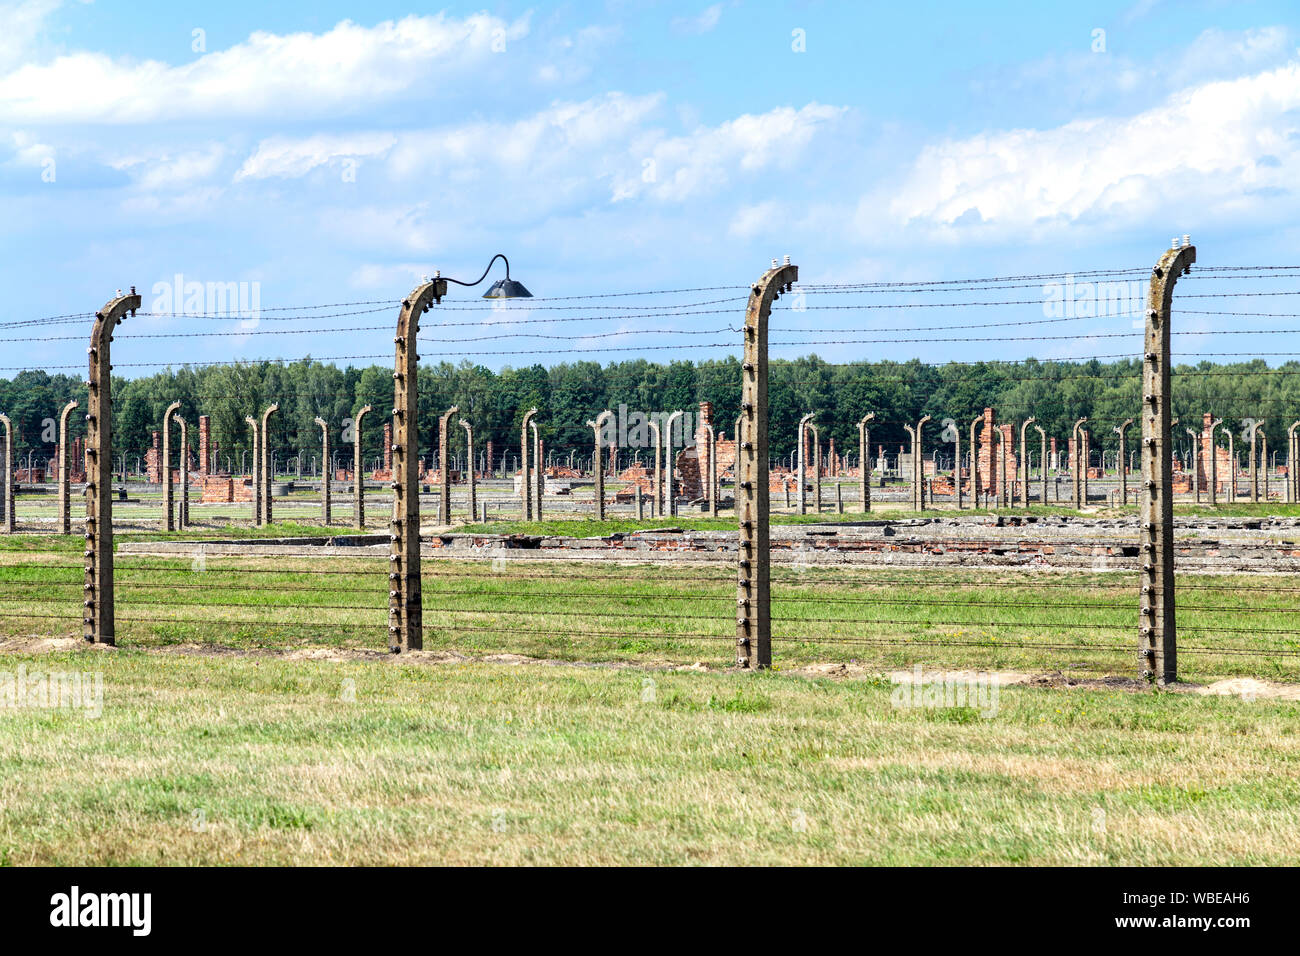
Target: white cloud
(23, 21)
(682, 166)
(1220, 143)
(172, 170)
(307, 74)
(289, 158)
(702, 23)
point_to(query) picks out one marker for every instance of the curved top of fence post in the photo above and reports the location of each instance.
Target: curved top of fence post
(869, 416)
(110, 315)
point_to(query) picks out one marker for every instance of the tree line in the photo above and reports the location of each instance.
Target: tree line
(568, 394)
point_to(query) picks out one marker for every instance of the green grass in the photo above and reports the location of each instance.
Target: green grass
(260, 760)
(1080, 623)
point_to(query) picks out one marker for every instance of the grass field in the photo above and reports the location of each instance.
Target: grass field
(583, 712)
(230, 759)
(1080, 623)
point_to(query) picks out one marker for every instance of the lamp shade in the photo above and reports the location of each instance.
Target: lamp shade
(507, 289)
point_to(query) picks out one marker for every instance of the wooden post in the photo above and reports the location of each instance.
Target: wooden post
(1158, 638)
(65, 478)
(753, 591)
(98, 618)
(405, 599)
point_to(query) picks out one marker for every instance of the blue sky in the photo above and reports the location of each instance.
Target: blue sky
(336, 152)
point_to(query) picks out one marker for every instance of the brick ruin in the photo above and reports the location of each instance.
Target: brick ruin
(692, 464)
(995, 464)
(76, 460)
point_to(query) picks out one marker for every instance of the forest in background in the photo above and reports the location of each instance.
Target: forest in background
(567, 395)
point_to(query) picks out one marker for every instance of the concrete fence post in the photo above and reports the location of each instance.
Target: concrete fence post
(1122, 431)
(657, 492)
(358, 472)
(473, 478)
(1042, 464)
(975, 463)
(65, 477)
(100, 627)
(165, 468)
(405, 599)
(444, 467)
(7, 492)
(267, 476)
(803, 464)
(526, 475)
(1024, 465)
(183, 504)
(324, 471)
(864, 452)
(816, 467)
(257, 470)
(711, 443)
(597, 459)
(1212, 466)
(1263, 459)
(753, 585)
(1158, 637)
(1292, 476)
(670, 496)
(539, 469)
(1077, 470)
(918, 465)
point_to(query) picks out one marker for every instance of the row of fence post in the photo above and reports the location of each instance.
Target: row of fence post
(1157, 628)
